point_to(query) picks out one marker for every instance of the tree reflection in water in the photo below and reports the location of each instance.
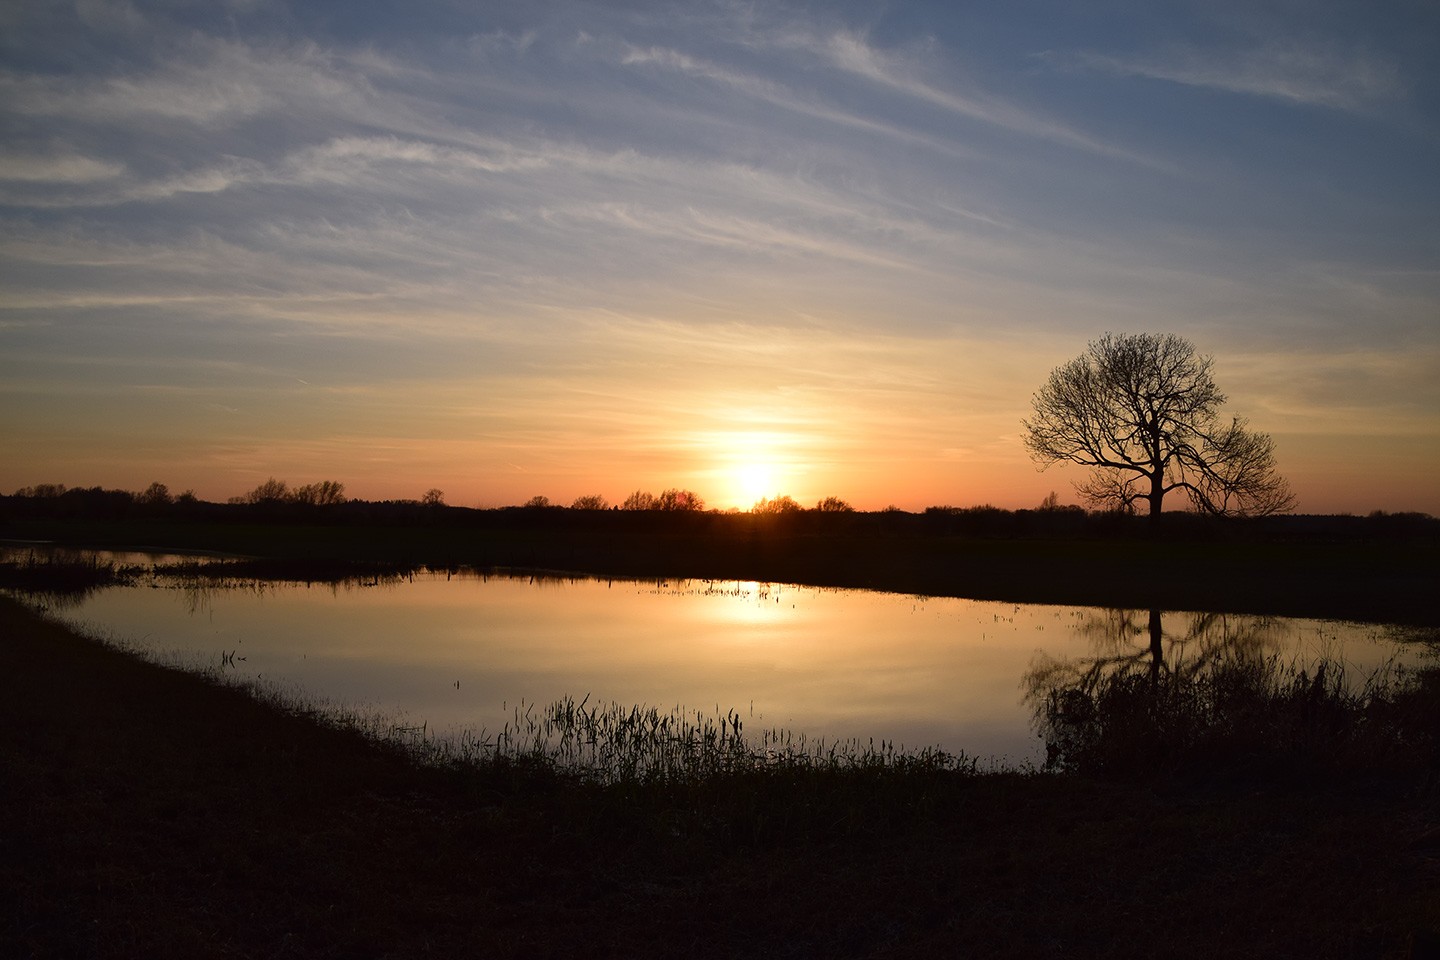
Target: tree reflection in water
(1213, 694)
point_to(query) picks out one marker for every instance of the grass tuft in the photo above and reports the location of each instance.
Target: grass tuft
(62, 580)
(1246, 716)
(643, 745)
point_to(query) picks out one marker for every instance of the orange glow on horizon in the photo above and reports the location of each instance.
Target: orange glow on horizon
(753, 481)
(746, 465)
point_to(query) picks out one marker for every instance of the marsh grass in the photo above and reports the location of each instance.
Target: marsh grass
(613, 744)
(623, 751)
(705, 779)
(231, 570)
(642, 772)
(63, 580)
(1247, 716)
(646, 772)
(58, 572)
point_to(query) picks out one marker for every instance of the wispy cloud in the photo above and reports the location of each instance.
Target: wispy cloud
(1292, 72)
(57, 168)
(199, 80)
(852, 52)
(580, 238)
(781, 96)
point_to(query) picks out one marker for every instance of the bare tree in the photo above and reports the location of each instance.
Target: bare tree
(434, 497)
(271, 491)
(155, 495)
(833, 505)
(590, 501)
(44, 491)
(639, 500)
(672, 499)
(326, 493)
(776, 505)
(675, 499)
(1144, 412)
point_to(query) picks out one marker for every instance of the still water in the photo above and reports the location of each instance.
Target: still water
(459, 652)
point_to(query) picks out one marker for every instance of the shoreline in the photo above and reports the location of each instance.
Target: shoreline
(1359, 579)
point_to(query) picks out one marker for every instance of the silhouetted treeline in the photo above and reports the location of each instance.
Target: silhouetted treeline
(325, 504)
(1381, 568)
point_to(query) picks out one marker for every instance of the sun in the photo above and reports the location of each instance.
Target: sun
(753, 481)
(747, 465)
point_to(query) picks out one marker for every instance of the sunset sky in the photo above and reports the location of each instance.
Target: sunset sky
(563, 248)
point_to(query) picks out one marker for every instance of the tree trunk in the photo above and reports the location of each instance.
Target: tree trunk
(1155, 496)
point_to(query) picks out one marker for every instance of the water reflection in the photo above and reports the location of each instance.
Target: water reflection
(199, 593)
(1126, 642)
(456, 650)
(1148, 697)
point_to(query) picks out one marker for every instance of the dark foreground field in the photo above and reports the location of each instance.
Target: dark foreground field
(148, 813)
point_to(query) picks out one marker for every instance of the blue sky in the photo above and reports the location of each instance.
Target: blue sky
(563, 248)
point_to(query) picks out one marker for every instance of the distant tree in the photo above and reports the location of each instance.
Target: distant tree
(155, 495)
(42, 491)
(673, 499)
(780, 504)
(834, 505)
(1052, 504)
(434, 497)
(591, 501)
(1143, 411)
(639, 500)
(539, 500)
(187, 496)
(271, 491)
(326, 493)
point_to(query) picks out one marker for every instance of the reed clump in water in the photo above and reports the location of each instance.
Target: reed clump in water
(61, 577)
(294, 570)
(614, 744)
(1255, 717)
(701, 779)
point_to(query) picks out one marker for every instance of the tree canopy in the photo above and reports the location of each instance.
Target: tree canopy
(1144, 412)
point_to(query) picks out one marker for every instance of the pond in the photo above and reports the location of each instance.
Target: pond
(460, 652)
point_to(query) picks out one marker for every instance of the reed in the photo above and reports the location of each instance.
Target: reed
(613, 744)
(61, 579)
(1251, 716)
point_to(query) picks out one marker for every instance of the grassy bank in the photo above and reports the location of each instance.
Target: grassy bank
(1359, 574)
(146, 812)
